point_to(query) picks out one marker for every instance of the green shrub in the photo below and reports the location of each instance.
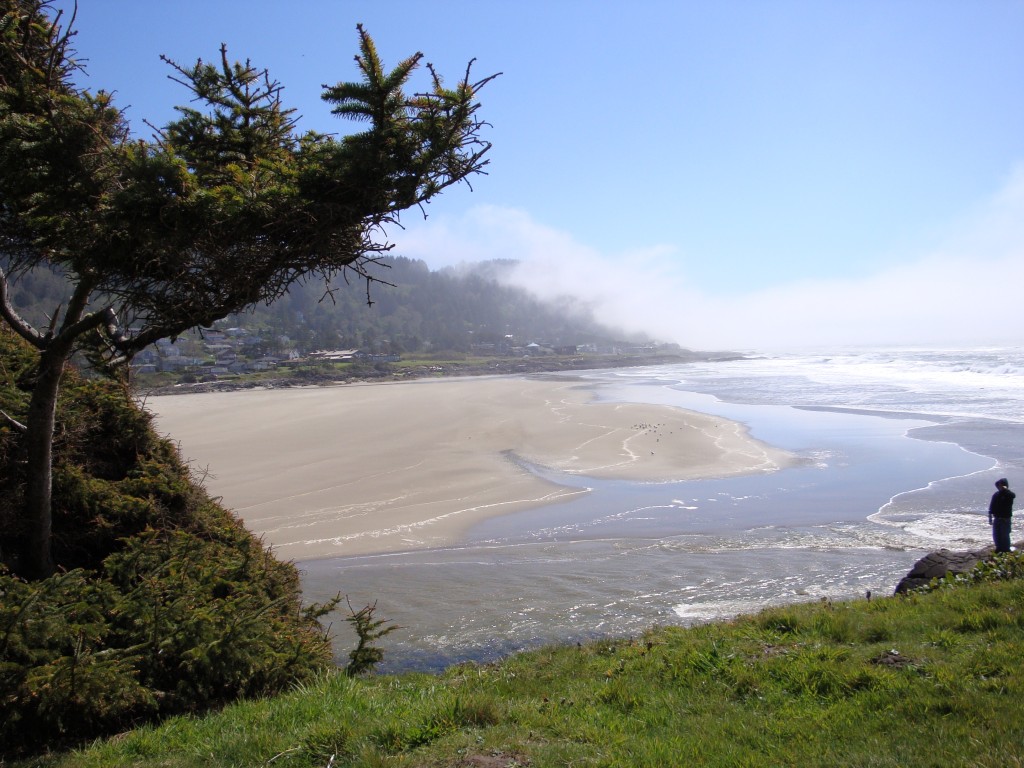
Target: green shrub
(164, 602)
(176, 623)
(57, 673)
(365, 656)
(215, 622)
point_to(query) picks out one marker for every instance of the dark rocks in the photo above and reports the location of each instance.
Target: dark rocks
(935, 565)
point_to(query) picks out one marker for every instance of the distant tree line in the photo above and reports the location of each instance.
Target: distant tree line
(411, 309)
(414, 310)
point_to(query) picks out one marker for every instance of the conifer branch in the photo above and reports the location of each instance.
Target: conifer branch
(17, 425)
(18, 324)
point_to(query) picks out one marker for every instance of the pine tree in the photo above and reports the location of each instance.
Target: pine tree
(227, 207)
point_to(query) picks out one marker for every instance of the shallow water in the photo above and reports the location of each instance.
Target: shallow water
(889, 470)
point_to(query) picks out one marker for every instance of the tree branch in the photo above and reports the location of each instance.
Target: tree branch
(84, 324)
(20, 326)
(77, 303)
(14, 422)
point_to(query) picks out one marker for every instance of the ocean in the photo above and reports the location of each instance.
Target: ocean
(898, 452)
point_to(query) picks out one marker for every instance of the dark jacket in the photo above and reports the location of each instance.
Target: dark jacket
(1002, 503)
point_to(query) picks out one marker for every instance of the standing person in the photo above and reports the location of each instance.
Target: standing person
(1000, 512)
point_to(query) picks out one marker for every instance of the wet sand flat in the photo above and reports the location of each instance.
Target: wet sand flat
(367, 468)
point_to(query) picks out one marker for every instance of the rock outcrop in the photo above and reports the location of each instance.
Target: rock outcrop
(935, 565)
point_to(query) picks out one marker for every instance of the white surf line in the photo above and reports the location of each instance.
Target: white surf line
(875, 517)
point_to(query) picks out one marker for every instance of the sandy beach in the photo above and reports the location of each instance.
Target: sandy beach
(368, 468)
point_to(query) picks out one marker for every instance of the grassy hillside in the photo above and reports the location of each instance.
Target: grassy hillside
(932, 679)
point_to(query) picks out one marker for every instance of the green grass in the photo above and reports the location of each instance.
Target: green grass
(932, 679)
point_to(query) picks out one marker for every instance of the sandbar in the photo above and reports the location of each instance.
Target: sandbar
(360, 469)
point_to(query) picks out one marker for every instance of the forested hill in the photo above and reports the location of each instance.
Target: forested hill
(414, 309)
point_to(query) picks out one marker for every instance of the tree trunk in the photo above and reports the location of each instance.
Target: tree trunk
(37, 556)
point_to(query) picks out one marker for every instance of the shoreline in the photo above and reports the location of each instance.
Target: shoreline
(371, 468)
(571, 365)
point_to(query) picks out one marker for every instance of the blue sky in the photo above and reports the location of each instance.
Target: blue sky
(745, 174)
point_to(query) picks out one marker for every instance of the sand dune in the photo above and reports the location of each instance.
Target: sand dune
(356, 469)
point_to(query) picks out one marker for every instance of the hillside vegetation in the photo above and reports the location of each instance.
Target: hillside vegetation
(417, 309)
(407, 308)
(163, 603)
(932, 679)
